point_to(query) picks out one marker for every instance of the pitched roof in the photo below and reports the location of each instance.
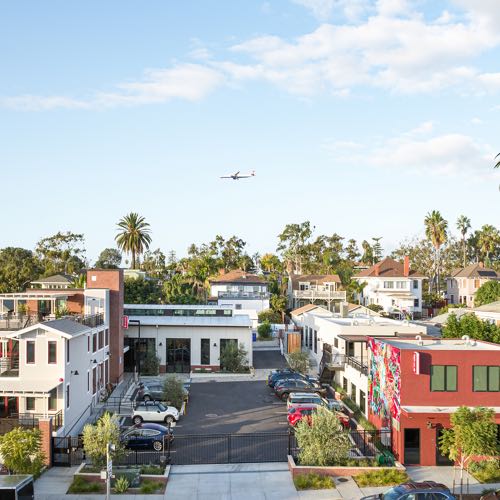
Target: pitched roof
(387, 268)
(303, 309)
(353, 307)
(315, 279)
(475, 271)
(67, 326)
(493, 307)
(237, 276)
(56, 278)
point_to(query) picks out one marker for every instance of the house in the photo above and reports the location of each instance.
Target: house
(463, 283)
(317, 289)
(337, 346)
(55, 282)
(415, 385)
(247, 293)
(55, 368)
(489, 312)
(184, 337)
(394, 286)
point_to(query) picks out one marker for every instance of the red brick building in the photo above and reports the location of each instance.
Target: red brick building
(415, 385)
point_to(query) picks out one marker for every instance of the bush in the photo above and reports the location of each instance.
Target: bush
(121, 484)
(486, 471)
(375, 307)
(299, 361)
(80, 485)
(381, 478)
(21, 450)
(313, 482)
(270, 316)
(487, 293)
(358, 414)
(173, 391)
(149, 486)
(324, 442)
(264, 330)
(233, 358)
(155, 470)
(150, 364)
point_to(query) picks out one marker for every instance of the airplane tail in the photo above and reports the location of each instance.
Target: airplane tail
(253, 173)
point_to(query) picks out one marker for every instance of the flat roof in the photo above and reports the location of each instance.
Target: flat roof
(12, 386)
(439, 409)
(239, 320)
(173, 306)
(439, 344)
(403, 335)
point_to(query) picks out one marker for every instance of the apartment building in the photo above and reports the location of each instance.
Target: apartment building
(463, 284)
(393, 286)
(415, 385)
(316, 289)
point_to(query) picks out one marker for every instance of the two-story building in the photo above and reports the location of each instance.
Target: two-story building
(246, 293)
(317, 289)
(393, 286)
(57, 367)
(416, 385)
(463, 284)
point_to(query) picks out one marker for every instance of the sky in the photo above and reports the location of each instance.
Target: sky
(358, 115)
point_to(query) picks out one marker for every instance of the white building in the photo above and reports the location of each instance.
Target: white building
(337, 346)
(185, 338)
(247, 293)
(489, 312)
(317, 289)
(56, 368)
(393, 286)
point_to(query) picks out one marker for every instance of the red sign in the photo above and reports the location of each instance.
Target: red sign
(125, 322)
(416, 363)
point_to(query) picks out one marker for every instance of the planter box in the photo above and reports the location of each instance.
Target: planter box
(95, 477)
(334, 471)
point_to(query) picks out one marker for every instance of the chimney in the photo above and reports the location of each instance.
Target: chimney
(406, 266)
(344, 309)
(222, 271)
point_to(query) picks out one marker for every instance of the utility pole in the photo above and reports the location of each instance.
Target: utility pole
(109, 469)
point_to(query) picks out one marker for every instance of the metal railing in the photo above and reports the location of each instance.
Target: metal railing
(10, 322)
(29, 420)
(92, 321)
(320, 294)
(9, 367)
(356, 364)
(244, 295)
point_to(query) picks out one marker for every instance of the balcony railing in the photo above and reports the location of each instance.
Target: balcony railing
(244, 295)
(9, 367)
(12, 322)
(356, 364)
(320, 294)
(90, 320)
(29, 420)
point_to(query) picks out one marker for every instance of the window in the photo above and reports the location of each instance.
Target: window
(88, 381)
(30, 351)
(336, 342)
(486, 378)
(67, 396)
(388, 284)
(237, 307)
(401, 284)
(94, 342)
(353, 392)
(315, 341)
(476, 284)
(106, 337)
(52, 352)
(205, 351)
(416, 303)
(415, 284)
(443, 378)
(344, 384)
(88, 343)
(53, 400)
(94, 380)
(30, 404)
(362, 400)
(67, 350)
(101, 339)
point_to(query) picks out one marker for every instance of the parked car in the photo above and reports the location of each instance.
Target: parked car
(147, 436)
(274, 375)
(306, 399)
(289, 375)
(284, 387)
(427, 490)
(153, 411)
(150, 391)
(295, 414)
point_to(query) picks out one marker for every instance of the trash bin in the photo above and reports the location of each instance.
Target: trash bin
(254, 336)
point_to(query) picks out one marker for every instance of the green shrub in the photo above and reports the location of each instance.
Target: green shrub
(80, 485)
(173, 391)
(381, 478)
(121, 484)
(149, 486)
(233, 358)
(264, 330)
(270, 316)
(299, 361)
(150, 364)
(486, 471)
(155, 470)
(358, 414)
(313, 482)
(22, 452)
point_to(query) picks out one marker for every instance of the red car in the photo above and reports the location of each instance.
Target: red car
(295, 414)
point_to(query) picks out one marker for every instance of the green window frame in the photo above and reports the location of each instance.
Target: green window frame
(444, 378)
(486, 378)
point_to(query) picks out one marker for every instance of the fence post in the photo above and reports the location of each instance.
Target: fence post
(364, 442)
(229, 448)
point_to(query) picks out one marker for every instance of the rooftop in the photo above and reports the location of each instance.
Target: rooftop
(240, 320)
(314, 279)
(443, 345)
(494, 307)
(475, 271)
(238, 276)
(303, 309)
(387, 268)
(65, 279)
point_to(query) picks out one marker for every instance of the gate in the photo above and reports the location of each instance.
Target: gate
(67, 451)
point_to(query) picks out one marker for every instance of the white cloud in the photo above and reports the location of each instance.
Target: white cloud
(476, 121)
(323, 10)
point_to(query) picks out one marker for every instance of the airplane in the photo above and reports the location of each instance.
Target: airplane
(236, 176)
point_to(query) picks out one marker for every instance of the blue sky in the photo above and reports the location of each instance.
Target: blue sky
(358, 115)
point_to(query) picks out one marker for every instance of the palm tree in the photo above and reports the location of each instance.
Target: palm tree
(134, 235)
(356, 288)
(489, 238)
(435, 230)
(463, 225)
(497, 165)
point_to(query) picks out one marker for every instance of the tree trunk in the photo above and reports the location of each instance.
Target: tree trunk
(463, 247)
(133, 259)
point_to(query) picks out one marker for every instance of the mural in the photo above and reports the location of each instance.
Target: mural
(384, 380)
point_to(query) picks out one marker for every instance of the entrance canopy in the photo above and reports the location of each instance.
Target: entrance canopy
(37, 388)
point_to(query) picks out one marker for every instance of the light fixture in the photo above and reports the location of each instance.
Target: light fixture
(160, 344)
(107, 353)
(94, 361)
(74, 372)
(215, 344)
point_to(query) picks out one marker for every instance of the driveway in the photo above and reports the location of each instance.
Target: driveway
(268, 359)
(232, 407)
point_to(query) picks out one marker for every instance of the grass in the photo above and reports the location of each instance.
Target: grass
(149, 486)
(381, 478)
(155, 470)
(80, 485)
(313, 482)
(487, 471)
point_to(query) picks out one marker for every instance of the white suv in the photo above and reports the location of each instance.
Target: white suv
(152, 411)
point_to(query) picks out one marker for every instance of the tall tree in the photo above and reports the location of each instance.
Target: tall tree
(270, 262)
(154, 263)
(18, 267)
(351, 251)
(109, 258)
(489, 241)
(134, 236)
(292, 243)
(436, 231)
(64, 252)
(367, 256)
(463, 225)
(377, 249)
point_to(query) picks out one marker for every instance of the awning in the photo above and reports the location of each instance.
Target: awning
(40, 388)
(435, 410)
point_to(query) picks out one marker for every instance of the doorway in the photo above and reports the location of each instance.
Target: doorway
(440, 458)
(178, 355)
(412, 446)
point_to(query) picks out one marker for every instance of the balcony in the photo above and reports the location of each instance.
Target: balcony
(357, 364)
(29, 420)
(321, 294)
(244, 295)
(9, 367)
(91, 321)
(13, 322)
